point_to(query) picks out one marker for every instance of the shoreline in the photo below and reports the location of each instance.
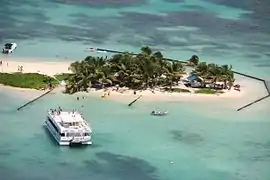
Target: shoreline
(50, 68)
(10, 65)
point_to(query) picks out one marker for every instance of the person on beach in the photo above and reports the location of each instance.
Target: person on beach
(104, 95)
(50, 85)
(20, 68)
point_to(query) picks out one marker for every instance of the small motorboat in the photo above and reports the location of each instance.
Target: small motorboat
(159, 113)
(9, 48)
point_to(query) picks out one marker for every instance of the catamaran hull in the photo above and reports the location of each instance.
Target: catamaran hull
(64, 142)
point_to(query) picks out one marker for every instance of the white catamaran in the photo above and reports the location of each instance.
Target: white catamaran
(68, 127)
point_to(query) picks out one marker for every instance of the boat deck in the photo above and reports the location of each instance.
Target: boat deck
(70, 121)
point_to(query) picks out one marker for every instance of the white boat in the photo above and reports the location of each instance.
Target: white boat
(159, 113)
(9, 48)
(68, 127)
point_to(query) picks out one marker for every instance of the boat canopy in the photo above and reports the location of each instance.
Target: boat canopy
(69, 117)
(8, 45)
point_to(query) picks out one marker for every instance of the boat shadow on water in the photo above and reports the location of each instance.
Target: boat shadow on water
(51, 139)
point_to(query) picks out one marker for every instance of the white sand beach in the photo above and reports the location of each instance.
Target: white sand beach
(48, 68)
(250, 91)
(249, 88)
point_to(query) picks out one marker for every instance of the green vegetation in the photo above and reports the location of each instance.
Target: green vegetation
(208, 91)
(212, 73)
(146, 70)
(193, 61)
(178, 90)
(27, 80)
(62, 76)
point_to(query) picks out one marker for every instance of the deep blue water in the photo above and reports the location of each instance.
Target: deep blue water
(232, 32)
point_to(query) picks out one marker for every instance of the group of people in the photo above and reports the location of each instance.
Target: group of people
(1, 63)
(56, 111)
(20, 68)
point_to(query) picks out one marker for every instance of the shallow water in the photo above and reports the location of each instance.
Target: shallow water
(197, 140)
(192, 142)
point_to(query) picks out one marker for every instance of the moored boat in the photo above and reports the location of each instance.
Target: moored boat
(68, 127)
(159, 113)
(9, 48)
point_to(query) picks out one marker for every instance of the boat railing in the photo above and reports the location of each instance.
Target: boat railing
(80, 138)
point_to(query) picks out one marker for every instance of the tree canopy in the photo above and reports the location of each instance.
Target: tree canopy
(147, 69)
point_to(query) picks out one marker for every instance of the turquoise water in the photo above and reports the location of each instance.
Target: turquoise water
(193, 142)
(198, 140)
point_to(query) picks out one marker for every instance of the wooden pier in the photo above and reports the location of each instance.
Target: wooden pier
(258, 100)
(33, 100)
(130, 104)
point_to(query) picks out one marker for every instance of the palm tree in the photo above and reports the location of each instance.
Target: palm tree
(147, 69)
(173, 73)
(48, 82)
(201, 69)
(213, 73)
(194, 60)
(146, 50)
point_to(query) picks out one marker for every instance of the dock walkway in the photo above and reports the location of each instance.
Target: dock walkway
(33, 100)
(265, 83)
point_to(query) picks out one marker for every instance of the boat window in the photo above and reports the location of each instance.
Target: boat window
(53, 124)
(8, 46)
(66, 125)
(74, 134)
(62, 134)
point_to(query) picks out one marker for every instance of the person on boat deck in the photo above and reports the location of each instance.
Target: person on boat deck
(59, 108)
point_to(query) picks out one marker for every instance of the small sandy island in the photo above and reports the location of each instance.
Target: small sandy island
(249, 87)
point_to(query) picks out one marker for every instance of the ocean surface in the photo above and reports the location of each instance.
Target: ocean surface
(196, 141)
